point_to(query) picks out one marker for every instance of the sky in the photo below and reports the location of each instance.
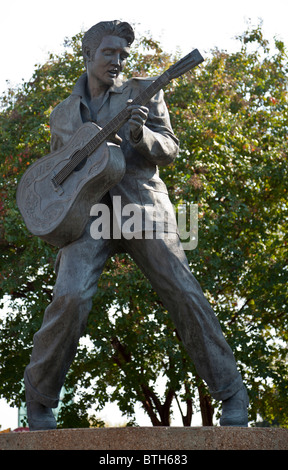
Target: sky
(30, 29)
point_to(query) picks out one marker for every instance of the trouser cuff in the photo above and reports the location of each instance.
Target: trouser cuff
(229, 391)
(33, 394)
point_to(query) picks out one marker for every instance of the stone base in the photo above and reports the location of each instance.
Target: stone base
(148, 438)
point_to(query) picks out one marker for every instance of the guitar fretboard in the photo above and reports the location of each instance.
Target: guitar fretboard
(111, 128)
(182, 66)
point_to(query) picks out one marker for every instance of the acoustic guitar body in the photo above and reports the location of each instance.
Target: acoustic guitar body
(59, 214)
(56, 193)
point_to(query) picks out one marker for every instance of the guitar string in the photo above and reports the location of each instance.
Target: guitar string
(112, 126)
(87, 149)
(181, 66)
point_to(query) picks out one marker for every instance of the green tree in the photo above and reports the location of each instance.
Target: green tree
(230, 115)
(232, 123)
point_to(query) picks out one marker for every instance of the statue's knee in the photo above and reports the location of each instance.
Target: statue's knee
(73, 298)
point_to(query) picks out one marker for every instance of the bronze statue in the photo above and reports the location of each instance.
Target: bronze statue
(147, 142)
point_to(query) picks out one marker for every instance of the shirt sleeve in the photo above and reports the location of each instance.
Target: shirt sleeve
(158, 144)
(65, 119)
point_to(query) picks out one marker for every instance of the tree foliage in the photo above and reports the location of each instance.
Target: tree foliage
(230, 115)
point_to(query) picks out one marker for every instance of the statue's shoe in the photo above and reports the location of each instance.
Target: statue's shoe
(234, 410)
(40, 418)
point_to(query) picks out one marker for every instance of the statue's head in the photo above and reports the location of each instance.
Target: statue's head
(93, 37)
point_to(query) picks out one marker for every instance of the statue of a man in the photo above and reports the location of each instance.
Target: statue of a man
(148, 142)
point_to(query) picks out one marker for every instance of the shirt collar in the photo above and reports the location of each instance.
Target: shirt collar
(80, 87)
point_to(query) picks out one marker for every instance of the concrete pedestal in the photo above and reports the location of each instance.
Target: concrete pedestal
(148, 438)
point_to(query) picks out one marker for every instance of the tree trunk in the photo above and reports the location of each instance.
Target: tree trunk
(153, 406)
(207, 410)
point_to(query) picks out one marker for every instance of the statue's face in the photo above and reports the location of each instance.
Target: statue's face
(108, 60)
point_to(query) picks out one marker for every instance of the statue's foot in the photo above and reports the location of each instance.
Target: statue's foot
(234, 410)
(40, 418)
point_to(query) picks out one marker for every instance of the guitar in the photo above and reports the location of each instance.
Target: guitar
(56, 193)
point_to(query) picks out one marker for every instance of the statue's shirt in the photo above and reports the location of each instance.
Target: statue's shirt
(158, 146)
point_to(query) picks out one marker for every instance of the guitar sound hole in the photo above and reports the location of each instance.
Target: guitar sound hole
(81, 165)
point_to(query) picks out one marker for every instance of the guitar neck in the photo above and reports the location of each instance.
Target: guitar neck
(111, 128)
(182, 66)
(117, 122)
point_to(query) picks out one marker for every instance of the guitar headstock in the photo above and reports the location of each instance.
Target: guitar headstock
(188, 62)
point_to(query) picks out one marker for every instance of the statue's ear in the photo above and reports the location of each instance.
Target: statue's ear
(86, 55)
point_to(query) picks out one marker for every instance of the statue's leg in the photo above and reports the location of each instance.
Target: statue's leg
(165, 264)
(54, 346)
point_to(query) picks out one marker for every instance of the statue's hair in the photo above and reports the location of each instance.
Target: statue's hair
(93, 37)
